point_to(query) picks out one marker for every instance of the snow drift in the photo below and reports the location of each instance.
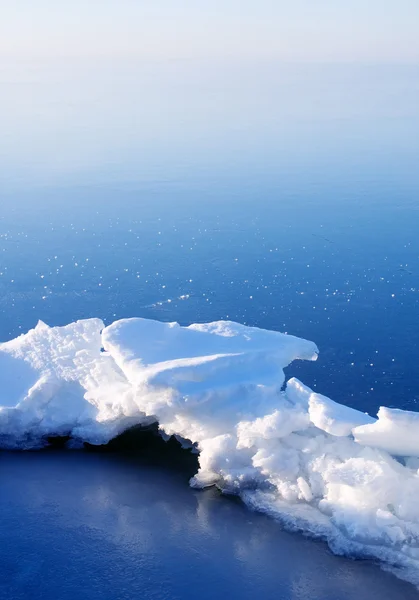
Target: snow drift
(319, 466)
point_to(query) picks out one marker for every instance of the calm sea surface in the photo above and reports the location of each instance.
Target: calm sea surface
(105, 527)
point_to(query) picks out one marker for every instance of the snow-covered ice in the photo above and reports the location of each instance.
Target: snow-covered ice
(318, 466)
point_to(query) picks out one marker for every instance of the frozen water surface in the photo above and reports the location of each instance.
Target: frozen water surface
(104, 526)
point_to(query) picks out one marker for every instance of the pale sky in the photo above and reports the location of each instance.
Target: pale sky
(160, 88)
(295, 30)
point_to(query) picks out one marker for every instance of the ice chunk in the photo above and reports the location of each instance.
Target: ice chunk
(56, 381)
(200, 381)
(16, 377)
(336, 419)
(396, 431)
(218, 354)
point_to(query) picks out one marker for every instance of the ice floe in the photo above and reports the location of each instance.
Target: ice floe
(319, 466)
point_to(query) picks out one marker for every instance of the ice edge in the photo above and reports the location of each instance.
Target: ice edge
(316, 465)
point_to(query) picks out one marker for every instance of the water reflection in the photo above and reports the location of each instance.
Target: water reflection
(112, 527)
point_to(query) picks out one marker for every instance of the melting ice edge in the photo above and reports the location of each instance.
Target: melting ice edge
(318, 466)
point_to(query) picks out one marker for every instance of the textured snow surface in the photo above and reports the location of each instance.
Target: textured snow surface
(319, 466)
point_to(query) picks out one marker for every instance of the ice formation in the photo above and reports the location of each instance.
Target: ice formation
(319, 466)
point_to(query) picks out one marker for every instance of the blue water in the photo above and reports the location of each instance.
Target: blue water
(280, 196)
(337, 263)
(103, 526)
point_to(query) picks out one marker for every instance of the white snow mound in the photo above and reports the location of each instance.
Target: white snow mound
(317, 465)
